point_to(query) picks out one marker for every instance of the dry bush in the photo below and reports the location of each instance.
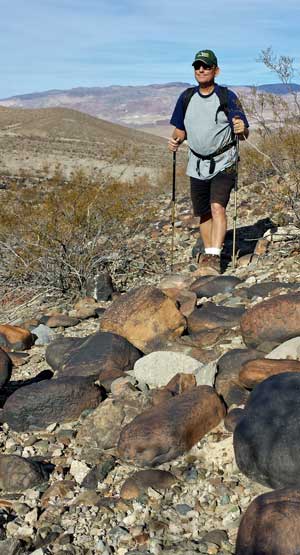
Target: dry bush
(53, 235)
(277, 147)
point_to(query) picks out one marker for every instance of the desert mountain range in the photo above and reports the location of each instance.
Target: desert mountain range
(134, 106)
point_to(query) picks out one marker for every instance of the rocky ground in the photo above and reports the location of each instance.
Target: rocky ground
(74, 497)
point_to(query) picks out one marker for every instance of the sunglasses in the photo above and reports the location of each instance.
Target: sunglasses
(204, 66)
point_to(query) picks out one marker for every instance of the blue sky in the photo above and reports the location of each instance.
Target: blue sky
(60, 44)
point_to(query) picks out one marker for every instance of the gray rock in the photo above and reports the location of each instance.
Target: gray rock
(102, 428)
(206, 375)
(159, 367)
(289, 349)
(11, 547)
(44, 334)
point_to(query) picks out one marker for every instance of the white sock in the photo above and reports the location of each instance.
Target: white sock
(213, 250)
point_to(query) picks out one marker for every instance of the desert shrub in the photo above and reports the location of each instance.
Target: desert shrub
(52, 235)
(275, 149)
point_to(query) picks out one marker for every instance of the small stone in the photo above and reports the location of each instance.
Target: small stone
(79, 470)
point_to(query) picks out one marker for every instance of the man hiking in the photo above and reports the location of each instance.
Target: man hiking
(209, 117)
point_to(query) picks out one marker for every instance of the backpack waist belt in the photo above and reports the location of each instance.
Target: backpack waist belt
(211, 157)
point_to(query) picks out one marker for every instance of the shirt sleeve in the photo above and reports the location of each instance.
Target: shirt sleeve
(235, 108)
(177, 118)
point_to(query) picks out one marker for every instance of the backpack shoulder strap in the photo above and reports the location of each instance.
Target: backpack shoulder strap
(223, 97)
(187, 95)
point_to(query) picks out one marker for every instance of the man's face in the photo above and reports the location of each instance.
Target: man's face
(205, 74)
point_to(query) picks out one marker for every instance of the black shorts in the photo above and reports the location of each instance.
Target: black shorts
(206, 191)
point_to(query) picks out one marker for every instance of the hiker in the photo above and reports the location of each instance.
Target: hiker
(209, 117)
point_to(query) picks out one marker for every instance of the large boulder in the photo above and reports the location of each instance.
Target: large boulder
(5, 367)
(271, 525)
(169, 429)
(37, 405)
(103, 355)
(146, 317)
(255, 371)
(272, 321)
(266, 439)
(15, 337)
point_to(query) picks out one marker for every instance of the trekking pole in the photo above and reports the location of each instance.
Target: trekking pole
(173, 207)
(235, 201)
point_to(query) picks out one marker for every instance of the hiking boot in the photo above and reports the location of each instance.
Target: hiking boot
(209, 265)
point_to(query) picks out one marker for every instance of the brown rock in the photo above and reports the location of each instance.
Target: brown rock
(261, 247)
(57, 492)
(176, 282)
(84, 308)
(176, 386)
(18, 473)
(160, 396)
(255, 371)
(186, 299)
(181, 383)
(146, 317)
(59, 320)
(139, 482)
(18, 359)
(167, 431)
(274, 320)
(15, 337)
(271, 525)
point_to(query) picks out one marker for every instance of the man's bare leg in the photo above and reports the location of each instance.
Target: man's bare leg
(219, 225)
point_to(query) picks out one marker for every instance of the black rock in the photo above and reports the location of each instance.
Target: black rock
(210, 316)
(5, 367)
(227, 379)
(59, 350)
(103, 355)
(38, 405)
(264, 288)
(266, 438)
(99, 473)
(100, 287)
(208, 286)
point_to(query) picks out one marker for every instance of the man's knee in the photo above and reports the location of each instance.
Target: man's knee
(217, 210)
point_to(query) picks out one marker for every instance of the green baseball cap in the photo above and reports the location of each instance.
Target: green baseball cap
(206, 56)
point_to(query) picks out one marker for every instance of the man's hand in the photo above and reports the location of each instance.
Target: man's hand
(239, 127)
(173, 144)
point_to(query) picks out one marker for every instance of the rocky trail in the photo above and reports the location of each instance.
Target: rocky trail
(146, 417)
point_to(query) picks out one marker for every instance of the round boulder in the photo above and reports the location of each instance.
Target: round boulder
(271, 525)
(274, 320)
(266, 438)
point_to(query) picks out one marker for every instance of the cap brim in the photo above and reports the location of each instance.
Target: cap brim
(204, 60)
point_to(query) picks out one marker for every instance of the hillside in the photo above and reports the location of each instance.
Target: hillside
(31, 138)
